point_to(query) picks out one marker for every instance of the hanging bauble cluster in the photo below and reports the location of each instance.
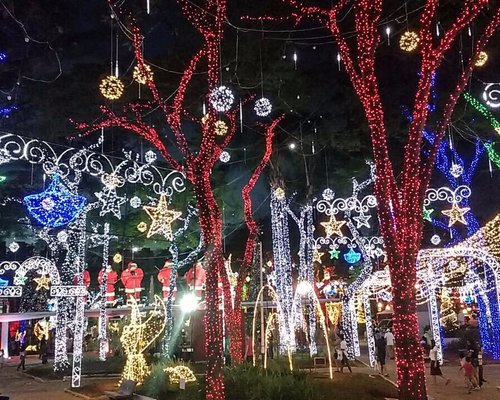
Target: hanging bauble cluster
(111, 87)
(224, 157)
(409, 41)
(220, 128)
(142, 75)
(263, 107)
(481, 59)
(222, 98)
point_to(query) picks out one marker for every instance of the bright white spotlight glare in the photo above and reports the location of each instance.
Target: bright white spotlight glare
(189, 303)
(304, 288)
(135, 249)
(292, 146)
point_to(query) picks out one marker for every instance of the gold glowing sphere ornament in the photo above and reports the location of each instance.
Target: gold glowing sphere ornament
(481, 59)
(117, 258)
(279, 193)
(409, 41)
(111, 87)
(142, 75)
(142, 227)
(220, 128)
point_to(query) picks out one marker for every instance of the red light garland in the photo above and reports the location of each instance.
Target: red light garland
(400, 204)
(208, 20)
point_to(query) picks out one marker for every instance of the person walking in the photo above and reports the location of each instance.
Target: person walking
(435, 368)
(380, 351)
(22, 359)
(343, 352)
(470, 377)
(389, 338)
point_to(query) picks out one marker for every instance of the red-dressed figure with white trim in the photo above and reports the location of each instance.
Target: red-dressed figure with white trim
(132, 279)
(86, 279)
(111, 280)
(164, 278)
(196, 278)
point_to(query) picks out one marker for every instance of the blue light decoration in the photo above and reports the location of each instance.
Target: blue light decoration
(3, 283)
(6, 111)
(352, 257)
(56, 206)
(3, 56)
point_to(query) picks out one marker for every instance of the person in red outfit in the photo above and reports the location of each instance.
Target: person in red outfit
(111, 280)
(132, 279)
(196, 278)
(164, 278)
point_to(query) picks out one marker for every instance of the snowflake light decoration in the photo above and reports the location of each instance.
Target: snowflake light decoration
(55, 206)
(224, 157)
(328, 194)
(263, 107)
(111, 87)
(409, 41)
(62, 237)
(456, 170)
(150, 156)
(435, 240)
(222, 98)
(135, 202)
(13, 247)
(142, 75)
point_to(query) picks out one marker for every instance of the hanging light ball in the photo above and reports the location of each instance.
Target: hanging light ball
(117, 258)
(224, 157)
(222, 98)
(13, 246)
(279, 193)
(135, 202)
(111, 87)
(150, 156)
(142, 227)
(220, 128)
(409, 41)
(263, 107)
(142, 75)
(481, 59)
(435, 240)
(328, 194)
(112, 181)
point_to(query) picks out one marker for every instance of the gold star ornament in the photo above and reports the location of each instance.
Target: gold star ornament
(456, 214)
(317, 256)
(333, 227)
(161, 218)
(42, 282)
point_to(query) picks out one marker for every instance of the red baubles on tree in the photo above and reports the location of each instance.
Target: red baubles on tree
(132, 279)
(196, 278)
(164, 278)
(111, 280)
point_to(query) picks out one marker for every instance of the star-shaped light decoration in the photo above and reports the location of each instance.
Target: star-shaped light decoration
(334, 253)
(362, 220)
(427, 213)
(161, 218)
(456, 214)
(317, 256)
(333, 227)
(56, 206)
(42, 282)
(110, 202)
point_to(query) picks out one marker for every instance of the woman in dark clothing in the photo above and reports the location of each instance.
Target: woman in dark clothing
(380, 348)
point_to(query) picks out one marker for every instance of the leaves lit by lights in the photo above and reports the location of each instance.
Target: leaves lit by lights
(409, 41)
(111, 87)
(175, 374)
(161, 218)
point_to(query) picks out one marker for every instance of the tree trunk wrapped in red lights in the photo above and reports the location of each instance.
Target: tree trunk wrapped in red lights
(197, 166)
(401, 202)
